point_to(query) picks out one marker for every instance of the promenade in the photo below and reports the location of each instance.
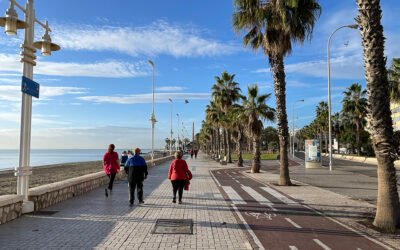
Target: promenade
(93, 221)
(230, 209)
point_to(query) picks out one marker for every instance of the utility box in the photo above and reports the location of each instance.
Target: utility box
(312, 155)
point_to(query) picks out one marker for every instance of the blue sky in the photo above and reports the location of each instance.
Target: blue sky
(97, 89)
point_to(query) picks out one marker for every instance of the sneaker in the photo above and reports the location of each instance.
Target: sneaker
(180, 202)
(106, 192)
(141, 202)
(174, 200)
(130, 203)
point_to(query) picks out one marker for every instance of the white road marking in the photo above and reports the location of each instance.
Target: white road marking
(359, 248)
(233, 195)
(233, 172)
(237, 181)
(325, 247)
(279, 196)
(349, 228)
(293, 248)
(258, 197)
(218, 172)
(293, 223)
(253, 235)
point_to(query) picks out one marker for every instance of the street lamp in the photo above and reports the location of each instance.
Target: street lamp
(170, 139)
(178, 130)
(12, 24)
(293, 136)
(351, 26)
(153, 117)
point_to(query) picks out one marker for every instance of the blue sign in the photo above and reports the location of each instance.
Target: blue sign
(30, 87)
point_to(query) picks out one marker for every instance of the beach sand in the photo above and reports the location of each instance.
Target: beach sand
(49, 174)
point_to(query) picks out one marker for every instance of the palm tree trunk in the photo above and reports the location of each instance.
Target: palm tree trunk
(387, 210)
(225, 143)
(278, 70)
(229, 147)
(358, 138)
(240, 148)
(219, 143)
(256, 155)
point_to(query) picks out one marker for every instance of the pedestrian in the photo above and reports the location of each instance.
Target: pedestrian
(178, 173)
(130, 154)
(110, 166)
(137, 173)
(191, 154)
(124, 158)
(195, 153)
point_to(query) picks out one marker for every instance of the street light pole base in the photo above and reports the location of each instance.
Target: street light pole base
(28, 207)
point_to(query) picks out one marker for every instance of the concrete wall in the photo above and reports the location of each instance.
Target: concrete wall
(362, 159)
(10, 207)
(50, 194)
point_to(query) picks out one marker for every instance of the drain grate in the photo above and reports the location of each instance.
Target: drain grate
(173, 226)
(43, 213)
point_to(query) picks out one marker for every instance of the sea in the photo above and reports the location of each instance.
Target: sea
(41, 157)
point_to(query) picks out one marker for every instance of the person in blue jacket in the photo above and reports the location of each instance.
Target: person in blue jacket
(137, 173)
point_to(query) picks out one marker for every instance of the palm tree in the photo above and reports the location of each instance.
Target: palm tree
(322, 121)
(355, 107)
(255, 109)
(272, 25)
(380, 122)
(225, 92)
(214, 116)
(394, 80)
(238, 120)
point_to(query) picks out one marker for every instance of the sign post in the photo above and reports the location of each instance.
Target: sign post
(312, 154)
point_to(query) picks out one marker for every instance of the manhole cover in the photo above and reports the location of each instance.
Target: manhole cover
(173, 226)
(43, 213)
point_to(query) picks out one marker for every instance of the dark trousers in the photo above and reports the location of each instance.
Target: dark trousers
(178, 185)
(135, 185)
(111, 178)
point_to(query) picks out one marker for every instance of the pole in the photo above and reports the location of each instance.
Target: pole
(179, 143)
(28, 51)
(352, 26)
(293, 131)
(170, 139)
(153, 118)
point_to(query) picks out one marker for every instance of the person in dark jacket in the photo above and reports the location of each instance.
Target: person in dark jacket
(137, 173)
(124, 158)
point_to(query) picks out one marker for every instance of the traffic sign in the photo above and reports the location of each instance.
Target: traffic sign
(30, 87)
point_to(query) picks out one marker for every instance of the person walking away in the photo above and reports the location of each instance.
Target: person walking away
(191, 154)
(110, 166)
(137, 173)
(124, 158)
(178, 174)
(195, 153)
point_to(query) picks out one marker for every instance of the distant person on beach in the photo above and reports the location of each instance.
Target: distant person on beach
(111, 166)
(137, 173)
(196, 151)
(124, 158)
(179, 174)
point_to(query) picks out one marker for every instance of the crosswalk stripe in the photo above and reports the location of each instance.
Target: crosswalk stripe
(258, 197)
(293, 248)
(233, 195)
(325, 247)
(279, 196)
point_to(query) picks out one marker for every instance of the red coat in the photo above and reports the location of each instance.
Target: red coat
(110, 161)
(178, 170)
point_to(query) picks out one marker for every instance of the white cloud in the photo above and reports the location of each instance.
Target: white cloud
(109, 69)
(159, 38)
(37, 119)
(145, 98)
(170, 88)
(13, 93)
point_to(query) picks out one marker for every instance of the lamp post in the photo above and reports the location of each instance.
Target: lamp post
(178, 130)
(170, 139)
(351, 26)
(153, 117)
(293, 136)
(11, 23)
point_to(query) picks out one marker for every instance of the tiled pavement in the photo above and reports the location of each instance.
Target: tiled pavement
(93, 221)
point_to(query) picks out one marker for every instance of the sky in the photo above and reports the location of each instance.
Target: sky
(97, 89)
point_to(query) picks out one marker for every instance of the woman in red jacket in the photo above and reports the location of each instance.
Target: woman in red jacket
(111, 166)
(178, 174)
